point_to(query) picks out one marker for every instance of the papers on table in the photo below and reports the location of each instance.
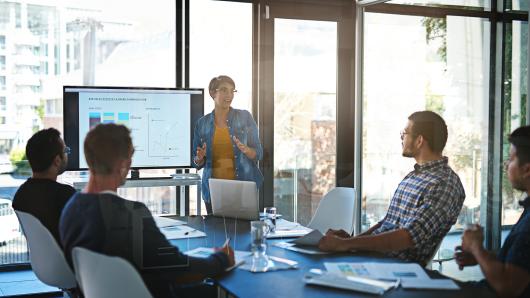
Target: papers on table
(162, 222)
(411, 276)
(176, 229)
(307, 244)
(311, 239)
(286, 229)
(359, 284)
(431, 284)
(181, 232)
(312, 250)
(204, 252)
(383, 271)
(274, 264)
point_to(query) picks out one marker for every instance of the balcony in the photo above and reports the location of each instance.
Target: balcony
(25, 79)
(26, 99)
(26, 59)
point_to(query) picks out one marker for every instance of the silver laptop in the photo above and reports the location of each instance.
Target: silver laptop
(234, 198)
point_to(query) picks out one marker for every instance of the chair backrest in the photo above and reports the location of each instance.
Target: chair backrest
(102, 276)
(46, 256)
(336, 210)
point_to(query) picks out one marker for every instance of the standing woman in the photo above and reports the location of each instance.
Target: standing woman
(226, 140)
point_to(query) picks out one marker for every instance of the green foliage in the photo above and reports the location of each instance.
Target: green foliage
(436, 28)
(17, 156)
(435, 103)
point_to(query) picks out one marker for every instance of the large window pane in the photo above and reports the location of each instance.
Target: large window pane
(46, 46)
(486, 4)
(221, 44)
(515, 104)
(305, 103)
(418, 63)
(516, 5)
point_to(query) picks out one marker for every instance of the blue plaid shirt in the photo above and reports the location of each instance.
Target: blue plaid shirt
(426, 203)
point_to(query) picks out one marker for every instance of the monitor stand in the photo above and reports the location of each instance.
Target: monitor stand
(135, 174)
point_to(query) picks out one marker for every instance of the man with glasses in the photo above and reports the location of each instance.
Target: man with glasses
(425, 205)
(41, 195)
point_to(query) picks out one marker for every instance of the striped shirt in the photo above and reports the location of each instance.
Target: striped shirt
(426, 203)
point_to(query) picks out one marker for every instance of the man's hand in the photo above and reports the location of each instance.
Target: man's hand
(332, 243)
(229, 252)
(472, 239)
(339, 233)
(464, 259)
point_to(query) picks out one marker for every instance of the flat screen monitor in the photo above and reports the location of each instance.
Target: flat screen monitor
(161, 121)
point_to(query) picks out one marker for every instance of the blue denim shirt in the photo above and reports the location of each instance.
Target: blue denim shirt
(242, 125)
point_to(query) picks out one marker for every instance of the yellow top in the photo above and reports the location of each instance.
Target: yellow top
(223, 155)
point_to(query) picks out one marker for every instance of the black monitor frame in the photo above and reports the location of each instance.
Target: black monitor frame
(71, 122)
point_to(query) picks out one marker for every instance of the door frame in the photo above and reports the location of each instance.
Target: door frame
(343, 12)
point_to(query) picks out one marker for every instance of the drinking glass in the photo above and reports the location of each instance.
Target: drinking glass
(270, 218)
(258, 235)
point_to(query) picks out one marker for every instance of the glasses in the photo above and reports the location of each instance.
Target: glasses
(226, 90)
(404, 132)
(67, 150)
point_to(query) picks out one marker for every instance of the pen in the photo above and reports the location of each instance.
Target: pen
(226, 242)
(187, 233)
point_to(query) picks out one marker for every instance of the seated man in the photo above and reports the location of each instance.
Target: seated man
(508, 273)
(99, 220)
(425, 205)
(41, 195)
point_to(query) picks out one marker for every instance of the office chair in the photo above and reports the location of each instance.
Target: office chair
(335, 211)
(101, 276)
(46, 256)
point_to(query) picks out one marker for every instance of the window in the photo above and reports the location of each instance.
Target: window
(437, 64)
(3, 105)
(515, 98)
(516, 5)
(486, 4)
(133, 49)
(221, 44)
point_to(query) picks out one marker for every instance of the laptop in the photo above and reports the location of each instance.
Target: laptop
(234, 198)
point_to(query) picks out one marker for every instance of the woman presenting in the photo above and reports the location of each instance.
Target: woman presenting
(226, 141)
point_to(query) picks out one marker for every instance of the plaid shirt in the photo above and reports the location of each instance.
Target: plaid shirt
(426, 203)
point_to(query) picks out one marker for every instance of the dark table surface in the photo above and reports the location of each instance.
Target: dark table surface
(289, 283)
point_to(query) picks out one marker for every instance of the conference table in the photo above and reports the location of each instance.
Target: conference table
(289, 283)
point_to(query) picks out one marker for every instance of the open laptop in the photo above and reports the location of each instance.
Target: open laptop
(234, 198)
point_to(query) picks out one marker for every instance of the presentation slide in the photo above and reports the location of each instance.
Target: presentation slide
(159, 123)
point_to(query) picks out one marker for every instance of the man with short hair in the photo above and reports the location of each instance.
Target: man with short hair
(99, 220)
(41, 195)
(425, 205)
(508, 273)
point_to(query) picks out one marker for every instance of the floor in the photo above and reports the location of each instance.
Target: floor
(24, 283)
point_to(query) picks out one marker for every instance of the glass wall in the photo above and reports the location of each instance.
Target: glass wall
(436, 64)
(485, 4)
(46, 46)
(305, 104)
(515, 97)
(221, 44)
